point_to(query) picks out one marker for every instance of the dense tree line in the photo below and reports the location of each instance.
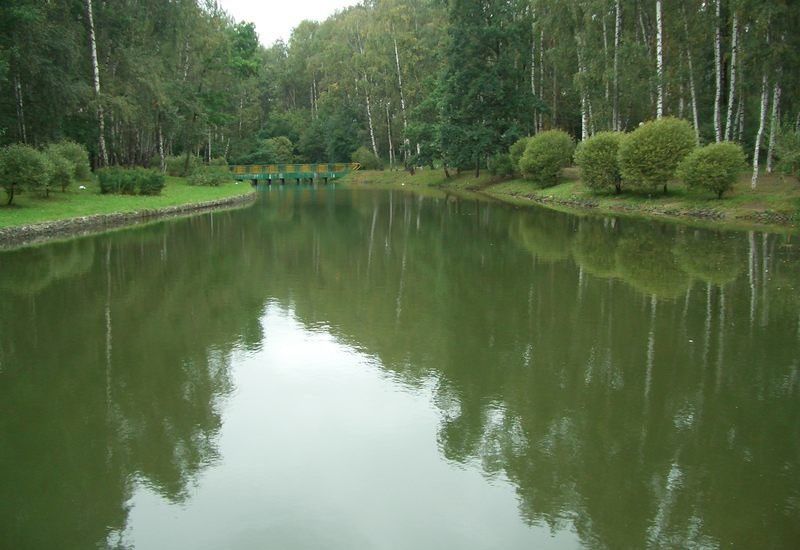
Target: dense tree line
(414, 81)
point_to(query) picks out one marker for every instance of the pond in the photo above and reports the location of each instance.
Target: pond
(356, 368)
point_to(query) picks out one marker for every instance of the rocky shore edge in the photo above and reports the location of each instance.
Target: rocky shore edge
(13, 237)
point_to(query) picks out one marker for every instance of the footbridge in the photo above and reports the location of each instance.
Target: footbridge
(269, 173)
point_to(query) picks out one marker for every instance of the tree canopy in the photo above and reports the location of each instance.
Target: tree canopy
(415, 81)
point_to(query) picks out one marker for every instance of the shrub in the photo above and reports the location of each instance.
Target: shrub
(501, 165)
(597, 159)
(22, 168)
(76, 154)
(516, 151)
(545, 155)
(649, 155)
(210, 176)
(155, 162)
(149, 181)
(367, 159)
(176, 166)
(125, 181)
(62, 170)
(116, 180)
(787, 151)
(218, 161)
(714, 167)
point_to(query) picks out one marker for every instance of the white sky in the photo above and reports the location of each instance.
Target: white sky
(275, 19)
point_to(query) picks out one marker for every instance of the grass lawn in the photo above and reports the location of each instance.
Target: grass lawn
(29, 208)
(776, 200)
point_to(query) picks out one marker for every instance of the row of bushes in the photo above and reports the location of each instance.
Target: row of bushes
(177, 166)
(211, 175)
(130, 181)
(24, 168)
(645, 159)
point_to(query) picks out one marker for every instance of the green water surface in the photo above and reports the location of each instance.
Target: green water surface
(346, 369)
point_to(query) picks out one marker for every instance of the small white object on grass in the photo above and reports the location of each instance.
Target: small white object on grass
(82, 187)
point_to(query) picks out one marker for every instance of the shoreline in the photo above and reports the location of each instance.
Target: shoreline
(708, 217)
(569, 197)
(24, 235)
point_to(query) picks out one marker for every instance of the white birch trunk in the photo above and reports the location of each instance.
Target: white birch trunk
(659, 61)
(760, 133)
(729, 122)
(692, 89)
(582, 85)
(617, 36)
(717, 76)
(740, 119)
(101, 144)
(389, 132)
(533, 58)
(541, 79)
(554, 115)
(605, 60)
(369, 116)
(774, 122)
(402, 101)
(161, 161)
(21, 129)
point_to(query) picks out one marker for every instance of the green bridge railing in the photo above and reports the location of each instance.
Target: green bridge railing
(271, 172)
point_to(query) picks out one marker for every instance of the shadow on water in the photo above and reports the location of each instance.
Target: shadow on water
(635, 381)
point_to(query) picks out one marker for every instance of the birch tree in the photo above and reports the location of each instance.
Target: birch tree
(760, 133)
(729, 120)
(102, 155)
(659, 61)
(690, 67)
(717, 73)
(774, 124)
(615, 124)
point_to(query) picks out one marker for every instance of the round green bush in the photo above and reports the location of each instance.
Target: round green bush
(545, 155)
(212, 176)
(501, 165)
(597, 159)
(22, 168)
(516, 151)
(367, 159)
(176, 166)
(76, 154)
(649, 155)
(714, 167)
(62, 170)
(149, 181)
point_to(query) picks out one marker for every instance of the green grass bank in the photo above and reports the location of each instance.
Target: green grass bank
(30, 209)
(775, 204)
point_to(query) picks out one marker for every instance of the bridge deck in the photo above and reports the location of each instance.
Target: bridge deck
(292, 171)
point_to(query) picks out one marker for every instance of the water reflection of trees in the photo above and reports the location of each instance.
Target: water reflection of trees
(626, 393)
(635, 382)
(116, 376)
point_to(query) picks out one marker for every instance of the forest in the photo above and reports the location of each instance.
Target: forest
(411, 82)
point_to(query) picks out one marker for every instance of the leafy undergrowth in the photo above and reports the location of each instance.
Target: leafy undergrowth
(29, 208)
(776, 200)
